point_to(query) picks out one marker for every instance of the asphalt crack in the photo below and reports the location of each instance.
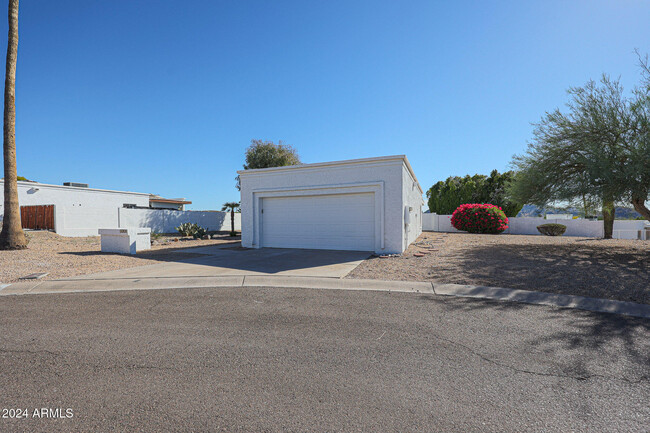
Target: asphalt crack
(540, 373)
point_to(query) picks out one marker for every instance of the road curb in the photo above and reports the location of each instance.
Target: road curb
(542, 298)
(458, 290)
(104, 285)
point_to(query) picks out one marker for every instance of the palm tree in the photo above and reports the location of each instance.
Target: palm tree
(12, 236)
(232, 206)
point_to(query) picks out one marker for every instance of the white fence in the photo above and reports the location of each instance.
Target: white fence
(166, 221)
(623, 229)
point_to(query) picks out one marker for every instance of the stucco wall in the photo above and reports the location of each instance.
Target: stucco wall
(623, 229)
(78, 211)
(412, 195)
(166, 221)
(383, 177)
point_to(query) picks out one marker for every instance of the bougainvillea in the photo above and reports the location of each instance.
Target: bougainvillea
(479, 218)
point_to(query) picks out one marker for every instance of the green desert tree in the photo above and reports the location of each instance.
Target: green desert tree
(266, 154)
(12, 235)
(637, 173)
(596, 151)
(445, 196)
(233, 207)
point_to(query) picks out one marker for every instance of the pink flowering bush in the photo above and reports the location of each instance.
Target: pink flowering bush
(479, 218)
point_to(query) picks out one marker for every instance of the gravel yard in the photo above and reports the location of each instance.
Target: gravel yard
(614, 269)
(66, 257)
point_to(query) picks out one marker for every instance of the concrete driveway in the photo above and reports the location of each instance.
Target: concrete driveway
(258, 359)
(233, 260)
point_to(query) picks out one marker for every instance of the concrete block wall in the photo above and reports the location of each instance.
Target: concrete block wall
(623, 229)
(381, 176)
(413, 202)
(77, 211)
(166, 221)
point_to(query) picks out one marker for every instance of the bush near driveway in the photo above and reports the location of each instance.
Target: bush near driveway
(479, 218)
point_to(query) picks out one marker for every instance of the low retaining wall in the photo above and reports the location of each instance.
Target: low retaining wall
(166, 221)
(623, 229)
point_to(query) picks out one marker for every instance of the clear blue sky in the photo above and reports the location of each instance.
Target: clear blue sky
(164, 96)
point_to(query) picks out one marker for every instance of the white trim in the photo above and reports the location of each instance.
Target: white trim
(347, 188)
(409, 170)
(336, 163)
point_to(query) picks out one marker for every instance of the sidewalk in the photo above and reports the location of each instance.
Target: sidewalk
(428, 288)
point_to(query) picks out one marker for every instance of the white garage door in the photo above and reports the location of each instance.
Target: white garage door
(331, 222)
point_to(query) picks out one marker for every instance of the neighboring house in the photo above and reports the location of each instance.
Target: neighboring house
(372, 204)
(157, 202)
(559, 216)
(74, 209)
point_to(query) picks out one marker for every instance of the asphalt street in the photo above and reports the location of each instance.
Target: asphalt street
(269, 359)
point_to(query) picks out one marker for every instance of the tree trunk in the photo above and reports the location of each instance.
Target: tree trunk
(232, 221)
(608, 218)
(640, 207)
(12, 236)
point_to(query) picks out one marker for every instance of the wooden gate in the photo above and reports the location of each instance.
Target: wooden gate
(37, 217)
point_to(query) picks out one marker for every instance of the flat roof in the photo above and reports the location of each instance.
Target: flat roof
(337, 163)
(77, 188)
(169, 200)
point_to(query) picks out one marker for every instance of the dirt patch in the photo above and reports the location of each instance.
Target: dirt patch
(63, 257)
(612, 269)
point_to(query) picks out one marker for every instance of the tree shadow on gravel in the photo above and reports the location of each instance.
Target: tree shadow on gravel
(584, 269)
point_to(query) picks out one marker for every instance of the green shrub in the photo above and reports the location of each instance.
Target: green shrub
(479, 218)
(445, 196)
(199, 232)
(186, 229)
(552, 229)
(191, 229)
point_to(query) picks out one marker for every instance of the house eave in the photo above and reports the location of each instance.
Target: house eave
(346, 162)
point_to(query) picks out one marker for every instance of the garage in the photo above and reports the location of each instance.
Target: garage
(332, 221)
(369, 204)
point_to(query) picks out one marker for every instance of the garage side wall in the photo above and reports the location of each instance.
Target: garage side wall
(384, 176)
(413, 201)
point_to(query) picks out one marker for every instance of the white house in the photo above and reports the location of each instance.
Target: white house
(158, 202)
(371, 204)
(73, 209)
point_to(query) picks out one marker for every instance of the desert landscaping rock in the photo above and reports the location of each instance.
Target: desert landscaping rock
(611, 269)
(62, 257)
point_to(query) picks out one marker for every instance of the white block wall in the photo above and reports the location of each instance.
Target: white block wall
(623, 229)
(383, 176)
(77, 211)
(166, 221)
(413, 200)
